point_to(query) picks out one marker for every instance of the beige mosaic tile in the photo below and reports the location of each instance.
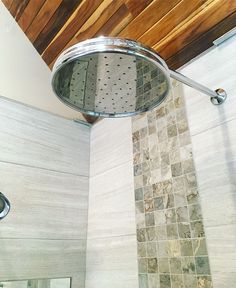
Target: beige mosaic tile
(172, 250)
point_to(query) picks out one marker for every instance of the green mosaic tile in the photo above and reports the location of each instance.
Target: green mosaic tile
(202, 265)
(137, 170)
(139, 207)
(182, 126)
(158, 203)
(175, 266)
(184, 230)
(161, 232)
(164, 187)
(138, 194)
(163, 249)
(148, 205)
(190, 181)
(180, 200)
(160, 112)
(168, 201)
(172, 131)
(143, 281)
(136, 136)
(160, 217)
(197, 229)
(192, 196)
(142, 250)
(147, 192)
(172, 231)
(190, 281)
(186, 248)
(152, 265)
(164, 265)
(188, 166)
(170, 215)
(140, 220)
(141, 235)
(173, 249)
(199, 247)
(149, 219)
(176, 169)
(188, 265)
(153, 280)
(204, 282)
(165, 281)
(177, 281)
(182, 214)
(151, 233)
(179, 184)
(151, 249)
(142, 265)
(195, 212)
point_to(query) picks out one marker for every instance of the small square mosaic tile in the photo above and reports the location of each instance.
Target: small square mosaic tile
(172, 251)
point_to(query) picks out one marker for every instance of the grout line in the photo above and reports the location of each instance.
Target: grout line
(42, 168)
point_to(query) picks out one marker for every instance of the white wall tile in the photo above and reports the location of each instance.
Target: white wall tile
(35, 138)
(44, 204)
(215, 69)
(213, 131)
(111, 144)
(111, 203)
(35, 259)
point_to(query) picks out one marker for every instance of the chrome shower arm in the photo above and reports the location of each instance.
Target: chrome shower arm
(217, 97)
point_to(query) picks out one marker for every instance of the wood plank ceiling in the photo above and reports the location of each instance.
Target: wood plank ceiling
(178, 30)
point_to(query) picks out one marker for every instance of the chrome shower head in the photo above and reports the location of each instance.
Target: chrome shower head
(4, 206)
(113, 77)
(110, 77)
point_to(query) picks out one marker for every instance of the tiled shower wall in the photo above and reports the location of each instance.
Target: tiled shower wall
(171, 241)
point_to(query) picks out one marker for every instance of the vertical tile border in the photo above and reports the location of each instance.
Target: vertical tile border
(172, 250)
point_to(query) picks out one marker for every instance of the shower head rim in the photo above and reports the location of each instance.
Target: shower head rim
(111, 44)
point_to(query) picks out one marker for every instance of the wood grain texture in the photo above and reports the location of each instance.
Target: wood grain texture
(146, 19)
(36, 259)
(207, 18)
(55, 24)
(17, 8)
(7, 3)
(45, 204)
(30, 13)
(77, 19)
(43, 140)
(202, 43)
(42, 18)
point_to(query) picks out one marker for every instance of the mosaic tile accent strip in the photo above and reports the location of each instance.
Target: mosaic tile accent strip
(172, 250)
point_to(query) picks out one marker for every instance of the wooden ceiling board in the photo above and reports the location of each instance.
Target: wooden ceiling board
(207, 18)
(177, 29)
(191, 50)
(17, 8)
(146, 19)
(42, 18)
(77, 19)
(30, 12)
(168, 22)
(59, 18)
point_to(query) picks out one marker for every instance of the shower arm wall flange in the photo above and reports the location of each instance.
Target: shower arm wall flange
(217, 97)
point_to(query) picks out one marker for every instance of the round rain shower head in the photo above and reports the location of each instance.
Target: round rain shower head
(110, 77)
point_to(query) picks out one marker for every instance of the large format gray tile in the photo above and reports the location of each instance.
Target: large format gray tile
(44, 204)
(215, 69)
(111, 144)
(114, 279)
(112, 253)
(111, 203)
(35, 259)
(35, 138)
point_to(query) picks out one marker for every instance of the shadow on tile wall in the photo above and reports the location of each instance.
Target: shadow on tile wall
(172, 248)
